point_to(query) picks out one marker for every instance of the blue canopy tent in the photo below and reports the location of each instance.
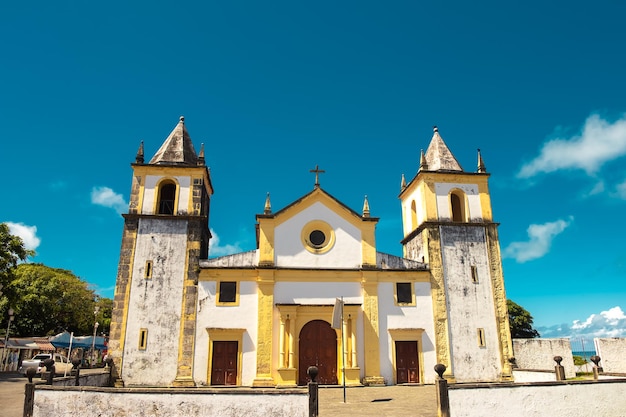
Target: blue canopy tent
(62, 340)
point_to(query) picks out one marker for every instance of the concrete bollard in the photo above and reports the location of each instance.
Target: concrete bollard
(49, 364)
(313, 391)
(596, 366)
(29, 393)
(441, 385)
(76, 364)
(559, 369)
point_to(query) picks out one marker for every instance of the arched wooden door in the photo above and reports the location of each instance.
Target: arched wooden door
(318, 347)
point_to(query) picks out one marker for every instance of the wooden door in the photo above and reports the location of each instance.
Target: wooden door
(407, 363)
(318, 347)
(224, 364)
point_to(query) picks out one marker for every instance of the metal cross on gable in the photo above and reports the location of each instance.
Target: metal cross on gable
(317, 171)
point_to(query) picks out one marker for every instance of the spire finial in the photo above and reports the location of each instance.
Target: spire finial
(435, 129)
(481, 164)
(423, 162)
(317, 171)
(201, 155)
(402, 183)
(268, 205)
(366, 208)
(182, 119)
(139, 156)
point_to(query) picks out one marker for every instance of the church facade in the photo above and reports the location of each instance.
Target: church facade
(262, 317)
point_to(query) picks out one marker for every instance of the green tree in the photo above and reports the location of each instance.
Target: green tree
(12, 251)
(520, 322)
(49, 300)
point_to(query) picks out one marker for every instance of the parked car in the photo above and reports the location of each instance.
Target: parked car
(61, 365)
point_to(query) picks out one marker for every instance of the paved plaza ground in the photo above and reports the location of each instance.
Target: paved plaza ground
(396, 401)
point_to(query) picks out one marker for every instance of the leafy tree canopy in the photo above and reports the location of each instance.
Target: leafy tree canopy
(520, 321)
(12, 251)
(48, 300)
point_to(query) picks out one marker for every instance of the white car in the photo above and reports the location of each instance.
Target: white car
(60, 364)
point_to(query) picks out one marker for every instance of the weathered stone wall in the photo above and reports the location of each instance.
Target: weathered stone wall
(114, 402)
(470, 304)
(540, 353)
(612, 351)
(85, 379)
(549, 399)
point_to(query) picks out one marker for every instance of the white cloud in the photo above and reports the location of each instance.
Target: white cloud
(27, 233)
(599, 142)
(215, 249)
(610, 323)
(540, 238)
(104, 196)
(620, 190)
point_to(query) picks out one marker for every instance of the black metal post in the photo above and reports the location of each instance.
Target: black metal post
(313, 391)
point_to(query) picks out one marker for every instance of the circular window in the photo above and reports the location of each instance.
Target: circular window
(317, 236)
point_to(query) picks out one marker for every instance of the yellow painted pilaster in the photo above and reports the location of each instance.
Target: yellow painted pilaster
(264, 362)
(438, 293)
(369, 244)
(371, 329)
(266, 242)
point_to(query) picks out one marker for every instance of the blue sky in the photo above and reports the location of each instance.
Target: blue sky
(274, 88)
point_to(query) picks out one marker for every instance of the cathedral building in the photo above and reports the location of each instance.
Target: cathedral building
(261, 318)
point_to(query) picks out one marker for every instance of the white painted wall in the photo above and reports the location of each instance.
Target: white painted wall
(150, 193)
(243, 316)
(442, 191)
(173, 403)
(533, 376)
(470, 305)
(573, 399)
(289, 250)
(540, 353)
(155, 303)
(612, 352)
(317, 293)
(419, 316)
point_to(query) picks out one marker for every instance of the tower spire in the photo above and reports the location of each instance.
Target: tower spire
(481, 164)
(402, 183)
(423, 163)
(366, 208)
(268, 205)
(139, 157)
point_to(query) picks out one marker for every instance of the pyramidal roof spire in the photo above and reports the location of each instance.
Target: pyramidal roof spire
(439, 157)
(177, 148)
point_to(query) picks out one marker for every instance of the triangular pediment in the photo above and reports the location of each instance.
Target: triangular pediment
(317, 231)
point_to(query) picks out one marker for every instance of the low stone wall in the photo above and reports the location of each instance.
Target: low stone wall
(540, 353)
(549, 399)
(532, 375)
(161, 402)
(611, 352)
(84, 379)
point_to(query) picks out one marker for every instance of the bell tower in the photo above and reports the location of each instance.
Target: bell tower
(447, 223)
(166, 233)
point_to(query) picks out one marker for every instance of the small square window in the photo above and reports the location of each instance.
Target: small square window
(143, 339)
(481, 337)
(474, 274)
(404, 293)
(228, 292)
(147, 273)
